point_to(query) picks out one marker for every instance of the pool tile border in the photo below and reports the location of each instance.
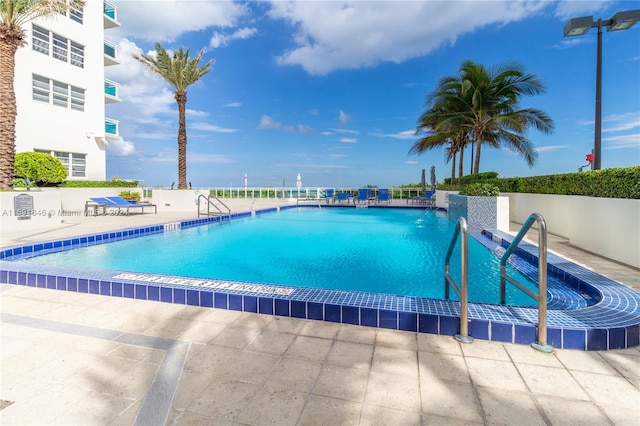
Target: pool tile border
(611, 322)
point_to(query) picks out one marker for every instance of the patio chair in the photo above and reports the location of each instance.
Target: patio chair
(383, 196)
(328, 195)
(344, 197)
(364, 195)
(118, 203)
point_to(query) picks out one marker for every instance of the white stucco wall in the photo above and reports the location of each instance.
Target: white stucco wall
(45, 214)
(606, 226)
(177, 200)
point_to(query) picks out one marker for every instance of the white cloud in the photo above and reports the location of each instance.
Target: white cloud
(121, 147)
(551, 148)
(343, 117)
(411, 162)
(348, 35)
(220, 39)
(161, 21)
(622, 142)
(405, 134)
(303, 128)
(211, 128)
(619, 122)
(170, 155)
(233, 104)
(348, 131)
(573, 9)
(197, 114)
(267, 122)
(348, 140)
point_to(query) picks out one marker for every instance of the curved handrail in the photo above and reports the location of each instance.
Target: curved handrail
(541, 295)
(463, 290)
(210, 203)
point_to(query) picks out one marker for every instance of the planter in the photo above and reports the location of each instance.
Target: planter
(480, 212)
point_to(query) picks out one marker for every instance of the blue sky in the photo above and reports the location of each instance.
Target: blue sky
(332, 90)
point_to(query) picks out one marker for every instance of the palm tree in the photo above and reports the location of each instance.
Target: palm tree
(443, 123)
(13, 15)
(180, 71)
(494, 115)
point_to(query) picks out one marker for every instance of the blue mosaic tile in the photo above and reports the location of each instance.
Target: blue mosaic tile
(153, 293)
(573, 339)
(193, 297)
(220, 300)
(180, 296)
(350, 315)
(51, 281)
(298, 309)
(129, 291)
(94, 287)
(428, 323)
(315, 311)
(282, 307)
(61, 283)
(140, 292)
(633, 336)
(32, 280)
(524, 334)
(117, 289)
(166, 294)
(41, 281)
(388, 319)
(332, 313)
(105, 288)
(449, 326)
(250, 304)
(206, 299)
(235, 302)
(265, 305)
(369, 317)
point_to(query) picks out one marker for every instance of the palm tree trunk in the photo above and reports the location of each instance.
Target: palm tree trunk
(181, 98)
(460, 165)
(9, 43)
(476, 166)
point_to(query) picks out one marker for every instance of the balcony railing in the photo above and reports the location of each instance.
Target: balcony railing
(110, 15)
(110, 52)
(111, 91)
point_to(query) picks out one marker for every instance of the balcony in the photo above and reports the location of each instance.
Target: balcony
(110, 54)
(110, 92)
(111, 129)
(110, 16)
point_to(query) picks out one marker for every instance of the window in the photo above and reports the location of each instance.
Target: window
(77, 54)
(57, 93)
(77, 14)
(77, 98)
(60, 94)
(41, 88)
(76, 164)
(40, 39)
(60, 50)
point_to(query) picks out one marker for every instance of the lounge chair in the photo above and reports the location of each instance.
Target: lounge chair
(424, 200)
(383, 196)
(328, 196)
(119, 203)
(344, 197)
(364, 196)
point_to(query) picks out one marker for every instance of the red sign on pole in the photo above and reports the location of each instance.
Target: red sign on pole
(589, 158)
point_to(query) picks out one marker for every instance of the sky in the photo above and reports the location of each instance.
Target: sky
(333, 89)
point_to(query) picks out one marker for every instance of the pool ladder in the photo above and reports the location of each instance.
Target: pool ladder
(463, 292)
(209, 202)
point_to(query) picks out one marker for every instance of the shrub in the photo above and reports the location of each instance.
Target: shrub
(480, 190)
(39, 167)
(114, 183)
(130, 195)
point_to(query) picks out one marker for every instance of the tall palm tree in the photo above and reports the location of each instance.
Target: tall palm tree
(180, 71)
(443, 123)
(495, 116)
(13, 15)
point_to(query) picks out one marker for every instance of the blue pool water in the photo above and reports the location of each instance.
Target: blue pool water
(394, 251)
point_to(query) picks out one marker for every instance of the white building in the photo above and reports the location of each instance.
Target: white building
(61, 91)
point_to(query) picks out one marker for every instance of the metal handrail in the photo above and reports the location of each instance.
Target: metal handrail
(463, 290)
(541, 296)
(210, 203)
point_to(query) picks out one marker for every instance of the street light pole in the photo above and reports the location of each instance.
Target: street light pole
(579, 26)
(597, 138)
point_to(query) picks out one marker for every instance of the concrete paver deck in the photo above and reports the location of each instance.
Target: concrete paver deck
(70, 358)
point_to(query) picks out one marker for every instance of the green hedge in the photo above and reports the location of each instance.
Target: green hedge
(40, 168)
(607, 183)
(477, 177)
(116, 183)
(479, 189)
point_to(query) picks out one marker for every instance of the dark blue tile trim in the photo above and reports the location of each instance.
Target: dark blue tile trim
(607, 316)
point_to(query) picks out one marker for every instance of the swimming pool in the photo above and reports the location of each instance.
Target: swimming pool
(610, 321)
(392, 251)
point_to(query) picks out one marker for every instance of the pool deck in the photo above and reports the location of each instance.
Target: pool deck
(72, 358)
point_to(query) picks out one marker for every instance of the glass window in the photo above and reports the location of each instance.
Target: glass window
(77, 14)
(60, 49)
(77, 54)
(40, 38)
(78, 165)
(77, 98)
(41, 88)
(60, 94)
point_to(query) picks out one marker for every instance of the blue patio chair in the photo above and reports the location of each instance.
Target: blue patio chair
(118, 203)
(344, 197)
(383, 196)
(328, 195)
(364, 195)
